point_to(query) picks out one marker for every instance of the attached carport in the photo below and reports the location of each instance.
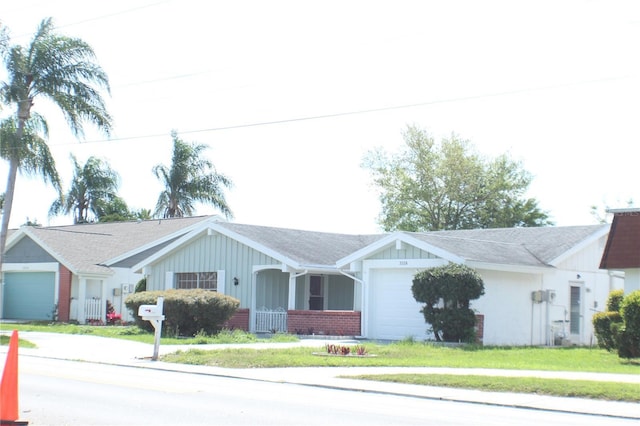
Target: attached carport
(29, 295)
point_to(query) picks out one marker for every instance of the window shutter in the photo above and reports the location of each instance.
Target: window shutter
(168, 280)
(220, 282)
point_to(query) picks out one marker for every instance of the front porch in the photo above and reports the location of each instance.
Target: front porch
(326, 323)
(305, 303)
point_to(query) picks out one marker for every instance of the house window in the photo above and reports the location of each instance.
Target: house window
(203, 280)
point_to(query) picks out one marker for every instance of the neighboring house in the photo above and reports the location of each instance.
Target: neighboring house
(71, 271)
(542, 285)
(622, 252)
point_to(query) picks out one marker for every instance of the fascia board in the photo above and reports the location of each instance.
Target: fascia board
(221, 230)
(390, 240)
(367, 250)
(581, 245)
(154, 243)
(168, 249)
(57, 256)
(257, 246)
(15, 237)
(503, 267)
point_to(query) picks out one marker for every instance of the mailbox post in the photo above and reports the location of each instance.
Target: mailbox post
(153, 314)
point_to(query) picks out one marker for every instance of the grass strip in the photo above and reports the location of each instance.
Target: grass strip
(4, 341)
(416, 355)
(609, 391)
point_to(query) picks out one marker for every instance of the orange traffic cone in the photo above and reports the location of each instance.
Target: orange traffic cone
(9, 385)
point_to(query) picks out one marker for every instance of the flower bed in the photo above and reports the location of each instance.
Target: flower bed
(341, 350)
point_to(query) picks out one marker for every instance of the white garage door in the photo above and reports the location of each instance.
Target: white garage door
(394, 313)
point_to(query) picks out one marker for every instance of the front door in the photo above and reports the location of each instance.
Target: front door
(316, 293)
(575, 313)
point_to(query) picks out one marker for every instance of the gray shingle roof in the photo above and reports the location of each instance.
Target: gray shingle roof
(85, 248)
(515, 246)
(308, 248)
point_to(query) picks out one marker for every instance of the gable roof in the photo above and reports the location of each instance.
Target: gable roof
(87, 248)
(529, 247)
(305, 248)
(93, 248)
(622, 250)
(534, 246)
(297, 249)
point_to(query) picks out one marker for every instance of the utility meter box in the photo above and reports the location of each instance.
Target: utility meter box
(150, 311)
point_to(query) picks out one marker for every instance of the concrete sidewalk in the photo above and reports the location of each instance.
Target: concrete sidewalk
(134, 354)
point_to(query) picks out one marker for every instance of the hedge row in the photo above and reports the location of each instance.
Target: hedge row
(187, 312)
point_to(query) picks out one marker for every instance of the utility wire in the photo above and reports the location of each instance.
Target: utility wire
(362, 111)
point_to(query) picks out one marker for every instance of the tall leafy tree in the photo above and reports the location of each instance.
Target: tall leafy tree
(429, 186)
(92, 194)
(59, 68)
(191, 178)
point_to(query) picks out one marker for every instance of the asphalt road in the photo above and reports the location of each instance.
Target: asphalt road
(59, 392)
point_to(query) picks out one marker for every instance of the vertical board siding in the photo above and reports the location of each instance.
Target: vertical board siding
(272, 289)
(340, 292)
(213, 253)
(408, 252)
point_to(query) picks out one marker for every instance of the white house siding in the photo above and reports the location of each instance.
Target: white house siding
(119, 286)
(510, 316)
(581, 270)
(631, 280)
(212, 253)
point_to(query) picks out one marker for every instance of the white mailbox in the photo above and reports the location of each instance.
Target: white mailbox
(153, 314)
(150, 311)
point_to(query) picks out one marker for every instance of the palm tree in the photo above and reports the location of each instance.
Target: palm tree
(190, 179)
(93, 186)
(59, 68)
(31, 151)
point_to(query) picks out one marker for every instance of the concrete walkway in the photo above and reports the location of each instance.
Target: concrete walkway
(134, 354)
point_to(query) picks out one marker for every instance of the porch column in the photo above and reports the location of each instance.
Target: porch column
(103, 298)
(291, 304)
(82, 295)
(252, 310)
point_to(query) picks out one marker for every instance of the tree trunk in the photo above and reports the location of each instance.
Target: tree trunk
(8, 205)
(8, 199)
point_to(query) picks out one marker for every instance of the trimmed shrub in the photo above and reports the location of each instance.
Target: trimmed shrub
(606, 327)
(629, 343)
(141, 285)
(447, 292)
(614, 300)
(187, 312)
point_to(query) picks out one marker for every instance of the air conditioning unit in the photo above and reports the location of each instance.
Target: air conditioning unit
(536, 296)
(549, 296)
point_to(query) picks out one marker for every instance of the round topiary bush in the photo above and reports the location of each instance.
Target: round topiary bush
(186, 312)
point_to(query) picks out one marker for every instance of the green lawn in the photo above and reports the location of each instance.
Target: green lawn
(418, 355)
(134, 333)
(409, 354)
(556, 387)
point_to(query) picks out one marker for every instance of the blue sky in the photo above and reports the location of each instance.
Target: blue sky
(554, 84)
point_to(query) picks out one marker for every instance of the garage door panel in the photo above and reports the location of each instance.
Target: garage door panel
(395, 313)
(29, 295)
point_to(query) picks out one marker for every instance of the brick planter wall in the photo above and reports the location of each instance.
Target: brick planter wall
(239, 320)
(329, 323)
(64, 293)
(479, 328)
